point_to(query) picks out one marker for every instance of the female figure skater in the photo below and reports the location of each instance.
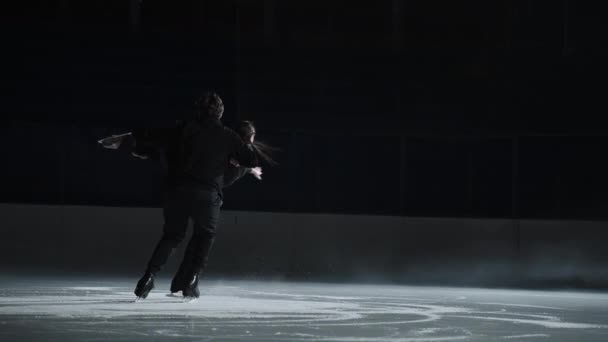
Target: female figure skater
(233, 172)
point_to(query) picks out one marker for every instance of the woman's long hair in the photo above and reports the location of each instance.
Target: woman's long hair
(246, 130)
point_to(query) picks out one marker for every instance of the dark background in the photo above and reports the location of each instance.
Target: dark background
(432, 108)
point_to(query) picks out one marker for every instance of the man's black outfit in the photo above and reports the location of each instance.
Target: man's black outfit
(197, 153)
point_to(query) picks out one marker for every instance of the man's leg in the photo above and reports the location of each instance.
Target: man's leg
(198, 249)
(205, 215)
(175, 213)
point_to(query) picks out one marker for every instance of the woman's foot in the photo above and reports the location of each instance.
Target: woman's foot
(179, 281)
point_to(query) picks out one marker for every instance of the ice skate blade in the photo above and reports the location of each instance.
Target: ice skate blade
(138, 299)
(189, 299)
(174, 295)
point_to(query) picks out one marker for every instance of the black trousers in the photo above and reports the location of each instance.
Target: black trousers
(181, 205)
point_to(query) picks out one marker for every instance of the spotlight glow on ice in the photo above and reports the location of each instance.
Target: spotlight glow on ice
(273, 311)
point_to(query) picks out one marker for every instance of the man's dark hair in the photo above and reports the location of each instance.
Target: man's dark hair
(209, 104)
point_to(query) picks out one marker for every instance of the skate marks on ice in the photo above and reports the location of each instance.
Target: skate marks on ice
(300, 312)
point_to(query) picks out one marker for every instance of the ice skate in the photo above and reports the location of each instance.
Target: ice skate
(189, 299)
(191, 291)
(179, 281)
(144, 286)
(177, 285)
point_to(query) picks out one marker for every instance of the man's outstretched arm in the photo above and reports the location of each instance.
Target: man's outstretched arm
(154, 137)
(149, 144)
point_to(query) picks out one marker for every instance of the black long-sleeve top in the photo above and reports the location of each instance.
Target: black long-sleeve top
(197, 153)
(234, 173)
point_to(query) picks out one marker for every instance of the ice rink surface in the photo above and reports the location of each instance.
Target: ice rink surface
(104, 310)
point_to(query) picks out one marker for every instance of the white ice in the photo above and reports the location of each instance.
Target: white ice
(274, 311)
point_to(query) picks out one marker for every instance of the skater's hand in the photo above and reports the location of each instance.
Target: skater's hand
(256, 172)
(234, 163)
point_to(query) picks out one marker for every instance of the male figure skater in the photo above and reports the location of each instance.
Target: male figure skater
(197, 154)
